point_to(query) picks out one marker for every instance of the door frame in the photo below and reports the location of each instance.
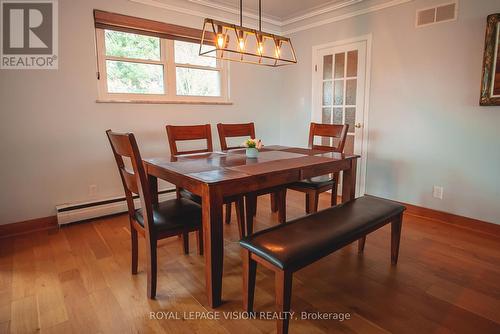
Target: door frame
(361, 188)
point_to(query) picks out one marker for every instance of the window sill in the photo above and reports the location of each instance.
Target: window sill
(162, 102)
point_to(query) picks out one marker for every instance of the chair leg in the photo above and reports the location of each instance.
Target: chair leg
(249, 272)
(240, 216)
(228, 213)
(335, 189)
(312, 199)
(361, 244)
(249, 210)
(199, 240)
(281, 205)
(185, 241)
(395, 238)
(274, 202)
(254, 205)
(178, 195)
(283, 282)
(151, 266)
(133, 234)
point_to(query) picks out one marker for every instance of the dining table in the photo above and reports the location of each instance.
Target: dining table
(216, 175)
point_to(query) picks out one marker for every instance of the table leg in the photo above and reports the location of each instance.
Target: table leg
(349, 193)
(349, 182)
(281, 205)
(153, 186)
(212, 203)
(250, 203)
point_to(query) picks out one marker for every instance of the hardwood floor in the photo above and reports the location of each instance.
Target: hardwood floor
(77, 280)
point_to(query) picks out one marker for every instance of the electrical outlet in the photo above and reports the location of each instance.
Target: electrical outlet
(93, 190)
(437, 192)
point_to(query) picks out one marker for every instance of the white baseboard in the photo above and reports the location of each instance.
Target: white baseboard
(66, 214)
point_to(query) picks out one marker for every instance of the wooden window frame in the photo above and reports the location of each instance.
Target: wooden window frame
(167, 59)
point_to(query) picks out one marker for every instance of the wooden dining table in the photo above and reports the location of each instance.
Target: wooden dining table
(216, 175)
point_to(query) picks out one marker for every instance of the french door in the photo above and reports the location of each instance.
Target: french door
(339, 87)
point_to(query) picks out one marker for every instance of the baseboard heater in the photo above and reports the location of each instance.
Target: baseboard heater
(71, 213)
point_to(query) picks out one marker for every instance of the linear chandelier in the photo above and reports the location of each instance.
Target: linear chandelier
(233, 42)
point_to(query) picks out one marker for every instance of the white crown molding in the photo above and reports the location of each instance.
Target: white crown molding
(273, 21)
(319, 11)
(346, 16)
(313, 13)
(183, 10)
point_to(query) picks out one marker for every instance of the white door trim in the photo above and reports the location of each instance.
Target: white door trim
(364, 145)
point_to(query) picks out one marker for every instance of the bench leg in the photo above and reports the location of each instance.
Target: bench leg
(283, 281)
(361, 244)
(249, 272)
(395, 238)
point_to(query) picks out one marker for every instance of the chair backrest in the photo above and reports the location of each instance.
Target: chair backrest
(234, 130)
(177, 133)
(135, 181)
(335, 131)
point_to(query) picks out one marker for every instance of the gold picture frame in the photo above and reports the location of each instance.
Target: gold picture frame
(490, 84)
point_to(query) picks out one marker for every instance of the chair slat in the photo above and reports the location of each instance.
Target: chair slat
(338, 131)
(130, 181)
(177, 133)
(234, 130)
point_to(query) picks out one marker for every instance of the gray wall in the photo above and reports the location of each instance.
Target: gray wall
(53, 144)
(426, 127)
(425, 124)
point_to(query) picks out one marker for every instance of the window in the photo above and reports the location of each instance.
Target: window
(136, 67)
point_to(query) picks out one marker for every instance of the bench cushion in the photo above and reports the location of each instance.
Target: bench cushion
(307, 239)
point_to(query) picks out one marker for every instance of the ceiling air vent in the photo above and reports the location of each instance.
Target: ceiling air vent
(438, 14)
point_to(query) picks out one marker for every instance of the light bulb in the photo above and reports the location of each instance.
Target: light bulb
(260, 48)
(242, 44)
(277, 51)
(221, 41)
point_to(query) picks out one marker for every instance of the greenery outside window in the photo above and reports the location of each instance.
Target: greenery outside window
(140, 68)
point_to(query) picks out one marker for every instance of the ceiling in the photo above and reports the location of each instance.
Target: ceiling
(279, 9)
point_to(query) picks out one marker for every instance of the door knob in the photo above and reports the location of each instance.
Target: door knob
(358, 125)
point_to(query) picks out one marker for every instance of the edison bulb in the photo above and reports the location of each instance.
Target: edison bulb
(220, 41)
(260, 48)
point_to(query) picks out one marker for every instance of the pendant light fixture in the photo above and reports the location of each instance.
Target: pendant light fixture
(233, 42)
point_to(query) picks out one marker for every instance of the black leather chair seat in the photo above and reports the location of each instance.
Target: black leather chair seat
(315, 182)
(307, 239)
(173, 214)
(189, 195)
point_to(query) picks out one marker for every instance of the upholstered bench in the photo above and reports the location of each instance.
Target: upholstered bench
(291, 246)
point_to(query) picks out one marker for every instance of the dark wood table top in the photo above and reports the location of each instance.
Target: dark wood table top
(216, 167)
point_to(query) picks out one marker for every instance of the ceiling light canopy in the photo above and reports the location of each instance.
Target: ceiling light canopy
(233, 42)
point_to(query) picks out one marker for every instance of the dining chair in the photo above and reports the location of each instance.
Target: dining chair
(248, 130)
(176, 133)
(312, 187)
(153, 220)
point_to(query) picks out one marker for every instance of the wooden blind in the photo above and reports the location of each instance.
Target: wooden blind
(136, 25)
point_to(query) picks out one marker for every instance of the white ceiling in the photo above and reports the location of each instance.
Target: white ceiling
(279, 9)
